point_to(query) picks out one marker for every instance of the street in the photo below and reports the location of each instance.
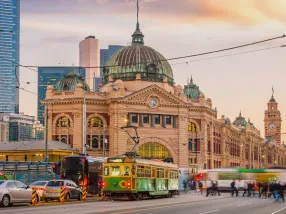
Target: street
(189, 203)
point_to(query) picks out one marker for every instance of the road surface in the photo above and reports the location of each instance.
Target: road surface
(184, 204)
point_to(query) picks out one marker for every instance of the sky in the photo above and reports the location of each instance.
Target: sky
(51, 31)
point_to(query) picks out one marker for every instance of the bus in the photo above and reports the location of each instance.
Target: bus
(137, 179)
(84, 171)
(224, 176)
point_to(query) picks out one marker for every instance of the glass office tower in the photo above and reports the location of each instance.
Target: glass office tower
(51, 76)
(105, 54)
(9, 55)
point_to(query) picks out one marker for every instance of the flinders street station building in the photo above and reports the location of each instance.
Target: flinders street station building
(174, 122)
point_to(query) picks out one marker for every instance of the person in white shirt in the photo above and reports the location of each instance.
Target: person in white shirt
(209, 186)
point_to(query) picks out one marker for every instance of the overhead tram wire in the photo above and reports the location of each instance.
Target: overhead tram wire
(204, 59)
(170, 59)
(234, 54)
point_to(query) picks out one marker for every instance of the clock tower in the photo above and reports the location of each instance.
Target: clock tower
(272, 121)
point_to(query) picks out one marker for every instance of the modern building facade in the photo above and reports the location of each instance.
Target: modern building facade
(4, 131)
(20, 126)
(9, 55)
(174, 122)
(89, 57)
(51, 76)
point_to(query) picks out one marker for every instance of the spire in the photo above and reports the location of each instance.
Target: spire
(240, 114)
(272, 97)
(191, 79)
(137, 36)
(73, 70)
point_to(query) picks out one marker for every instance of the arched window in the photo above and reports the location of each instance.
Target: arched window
(63, 122)
(192, 127)
(95, 122)
(153, 150)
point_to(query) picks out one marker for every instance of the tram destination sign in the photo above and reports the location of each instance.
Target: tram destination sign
(115, 160)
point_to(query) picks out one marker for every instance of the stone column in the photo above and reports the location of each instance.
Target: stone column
(183, 155)
(204, 145)
(212, 146)
(77, 131)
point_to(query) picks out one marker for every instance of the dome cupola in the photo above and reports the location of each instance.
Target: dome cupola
(135, 59)
(191, 90)
(69, 82)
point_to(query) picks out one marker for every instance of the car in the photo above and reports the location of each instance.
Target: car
(12, 191)
(53, 188)
(41, 187)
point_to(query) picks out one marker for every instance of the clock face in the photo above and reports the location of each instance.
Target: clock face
(153, 102)
(272, 126)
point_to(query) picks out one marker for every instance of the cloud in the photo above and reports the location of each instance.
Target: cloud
(180, 11)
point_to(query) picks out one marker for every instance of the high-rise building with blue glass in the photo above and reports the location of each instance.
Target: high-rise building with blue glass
(9, 55)
(105, 54)
(51, 76)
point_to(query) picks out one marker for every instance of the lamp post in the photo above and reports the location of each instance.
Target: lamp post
(84, 123)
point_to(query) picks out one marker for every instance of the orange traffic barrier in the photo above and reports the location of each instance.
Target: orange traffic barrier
(62, 195)
(34, 196)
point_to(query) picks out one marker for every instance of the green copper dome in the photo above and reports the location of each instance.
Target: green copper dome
(138, 59)
(69, 82)
(240, 121)
(192, 91)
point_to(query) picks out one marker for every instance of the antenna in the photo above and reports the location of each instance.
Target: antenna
(137, 12)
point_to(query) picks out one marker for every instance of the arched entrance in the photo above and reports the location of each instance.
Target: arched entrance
(153, 150)
(156, 148)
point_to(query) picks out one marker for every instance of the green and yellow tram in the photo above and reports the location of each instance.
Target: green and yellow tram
(137, 179)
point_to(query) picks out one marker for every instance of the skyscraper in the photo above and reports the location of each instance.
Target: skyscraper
(51, 76)
(105, 54)
(9, 55)
(89, 57)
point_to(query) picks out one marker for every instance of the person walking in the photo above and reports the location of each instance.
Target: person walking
(254, 187)
(233, 188)
(215, 188)
(244, 188)
(249, 188)
(259, 188)
(281, 191)
(264, 189)
(209, 187)
(201, 187)
(185, 186)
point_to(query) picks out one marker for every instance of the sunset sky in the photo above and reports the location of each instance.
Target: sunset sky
(52, 29)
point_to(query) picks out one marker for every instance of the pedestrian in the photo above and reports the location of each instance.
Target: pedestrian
(259, 188)
(185, 186)
(244, 188)
(271, 188)
(281, 191)
(209, 187)
(249, 188)
(201, 187)
(190, 183)
(264, 189)
(254, 187)
(215, 188)
(233, 188)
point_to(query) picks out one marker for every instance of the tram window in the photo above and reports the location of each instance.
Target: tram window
(126, 171)
(106, 171)
(147, 172)
(140, 171)
(160, 173)
(115, 170)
